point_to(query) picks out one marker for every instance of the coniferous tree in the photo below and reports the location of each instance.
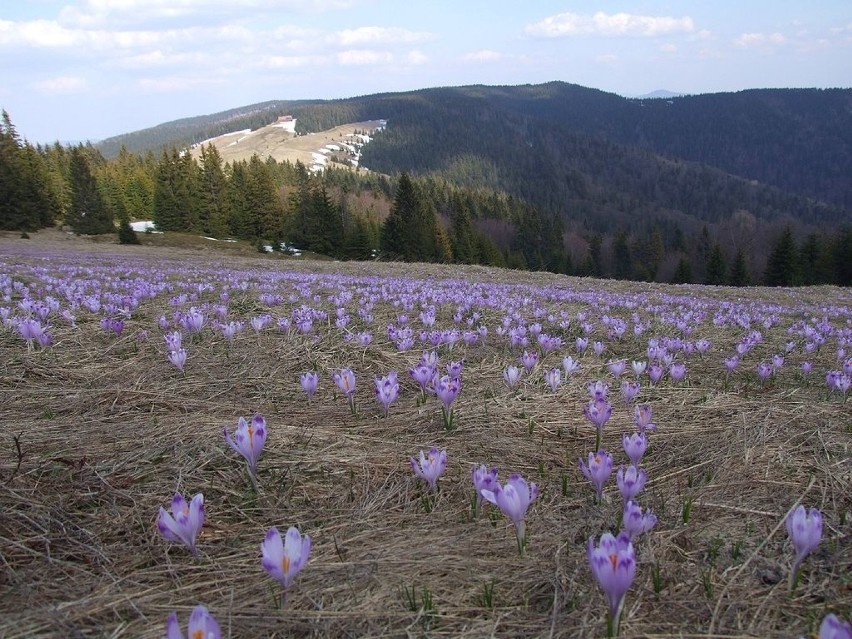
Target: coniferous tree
(717, 272)
(782, 265)
(126, 234)
(842, 257)
(213, 209)
(623, 260)
(740, 275)
(399, 232)
(88, 213)
(683, 272)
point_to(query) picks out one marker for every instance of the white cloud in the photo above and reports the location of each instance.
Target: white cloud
(607, 58)
(363, 57)
(484, 55)
(172, 84)
(416, 57)
(290, 61)
(760, 39)
(668, 48)
(379, 35)
(61, 84)
(603, 24)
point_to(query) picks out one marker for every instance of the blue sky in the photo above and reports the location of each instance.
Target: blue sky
(88, 69)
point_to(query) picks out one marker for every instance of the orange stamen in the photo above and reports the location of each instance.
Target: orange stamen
(285, 564)
(613, 559)
(198, 634)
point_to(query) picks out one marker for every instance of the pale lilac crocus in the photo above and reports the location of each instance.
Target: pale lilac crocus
(634, 446)
(655, 372)
(631, 481)
(483, 479)
(529, 359)
(634, 521)
(345, 380)
(629, 390)
(598, 389)
(514, 498)
(430, 467)
(832, 627)
(598, 412)
(511, 375)
(174, 341)
(642, 415)
(806, 368)
(731, 364)
(309, 382)
(581, 344)
(570, 365)
(638, 367)
(447, 389)
(248, 441)
(598, 348)
(184, 523)
(202, 625)
(178, 358)
(387, 390)
(805, 531)
(454, 369)
(764, 371)
(677, 371)
(422, 373)
(553, 377)
(613, 564)
(598, 471)
(284, 559)
(617, 369)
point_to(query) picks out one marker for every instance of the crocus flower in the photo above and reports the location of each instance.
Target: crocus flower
(514, 498)
(617, 369)
(430, 468)
(613, 564)
(655, 372)
(553, 377)
(387, 390)
(423, 374)
(598, 471)
(173, 341)
(598, 389)
(185, 521)
(634, 521)
(634, 446)
(731, 363)
(638, 367)
(764, 371)
(447, 389)
(345, 380)
(631, 482)
(309, 382)
(598, 413)
(248, 441)
(178, 358)
(283, 560)
(677, 371)
(202, 625)
(805, 531)
(599, 348)
(454, 369)
(834, 628)
(483, 479)
(511, 375)
(629, 390)
(642, 418)
(581, 344)
(529, 359)
(570, 365)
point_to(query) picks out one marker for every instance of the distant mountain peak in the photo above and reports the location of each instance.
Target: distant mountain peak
(659, 94)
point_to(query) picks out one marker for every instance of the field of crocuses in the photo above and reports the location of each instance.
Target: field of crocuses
(255, 447)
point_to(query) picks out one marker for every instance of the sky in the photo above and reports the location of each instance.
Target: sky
(78, 70)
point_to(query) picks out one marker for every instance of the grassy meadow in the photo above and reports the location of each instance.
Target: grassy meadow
(100, 430)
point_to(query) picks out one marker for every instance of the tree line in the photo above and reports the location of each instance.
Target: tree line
(359, 215)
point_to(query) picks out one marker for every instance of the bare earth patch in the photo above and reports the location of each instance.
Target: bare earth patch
(100, 431)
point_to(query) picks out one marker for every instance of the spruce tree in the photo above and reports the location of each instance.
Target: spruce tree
(716, 269)
(88, 213)
(398, 233)
(782, 265)
(739, 270)
(683, 272)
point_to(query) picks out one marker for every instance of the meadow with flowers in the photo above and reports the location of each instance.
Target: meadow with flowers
(257, 447)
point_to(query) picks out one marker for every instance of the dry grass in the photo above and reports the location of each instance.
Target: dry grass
(108, 431)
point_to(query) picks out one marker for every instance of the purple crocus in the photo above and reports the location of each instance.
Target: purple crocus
(634, 521)
(447, 389)
(248, 441)
(629, 390)
(553, 377)
(185, 521)
(598, 389)
(617, 369)
(422, 373)
(511, 375)
(613, 564)
(310, 383)
(805, 531)
(634, 446)
(833, 627)
(598, 471)
(387, 390)
(283, 560)
(202, 625)
(642, 418)
(677, 371)
(483, 479)
(178, 358)
(345, 380)
(764, 371)
(514, 498)
(631, 481)
(655, 372)
(570, 365)
(598, 413)
(454, 369)
(431, 467)
(529, 359)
